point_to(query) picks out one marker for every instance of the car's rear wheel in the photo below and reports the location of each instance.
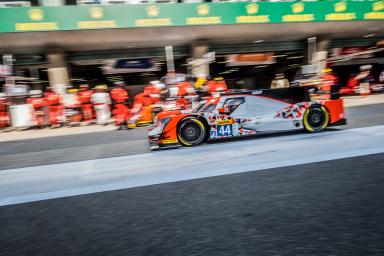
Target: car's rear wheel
(316, 118)
(191, 132)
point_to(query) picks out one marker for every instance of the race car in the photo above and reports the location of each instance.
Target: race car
(244, 113)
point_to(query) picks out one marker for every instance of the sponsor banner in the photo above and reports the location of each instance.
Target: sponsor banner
(5, 70)
(129, 66)
(351, 52)
(250, 59)
(25, 19)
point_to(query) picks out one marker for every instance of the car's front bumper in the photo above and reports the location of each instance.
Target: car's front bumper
(156, 143)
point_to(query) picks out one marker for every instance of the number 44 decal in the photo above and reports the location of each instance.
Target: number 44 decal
(224, 130)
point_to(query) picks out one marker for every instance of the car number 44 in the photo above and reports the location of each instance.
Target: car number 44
(224, 130)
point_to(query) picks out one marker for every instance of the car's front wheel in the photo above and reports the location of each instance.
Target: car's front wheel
(191, 132)
(316, 118)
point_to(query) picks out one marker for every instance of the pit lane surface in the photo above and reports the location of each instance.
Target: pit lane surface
(307, 204)
(35, 152)
(326, 208)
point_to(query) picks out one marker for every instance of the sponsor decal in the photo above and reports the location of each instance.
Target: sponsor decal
(341, 16)
(169, 141)
(36, 15)
(203, 20)
(223, 122)
(96, 12)
(97, 24)
(377, 11)
(153, 22)
(203, 10)
(298, 7)
(251, 10)
(340, 7)
(224, 130)
(36, 26)
(153, 11)
(298, 17)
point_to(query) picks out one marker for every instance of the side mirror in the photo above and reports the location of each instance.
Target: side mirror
(221, 111)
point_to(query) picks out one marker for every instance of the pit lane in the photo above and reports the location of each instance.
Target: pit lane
(292, 194)
(326, 208)
(78, 147)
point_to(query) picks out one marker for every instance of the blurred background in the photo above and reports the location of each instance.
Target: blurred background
(81, 81)
(55, 53)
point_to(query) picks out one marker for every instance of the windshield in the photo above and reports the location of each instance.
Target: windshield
(205, 108)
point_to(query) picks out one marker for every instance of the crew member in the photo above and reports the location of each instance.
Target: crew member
(121, 112)
(186, 94)
(85, 94)
(329, 80)
(280, 81)
(217, 85)
(72, 107)
(365, 78)
(55, 108)
(4, 115)
(40, 108)
(102, 104)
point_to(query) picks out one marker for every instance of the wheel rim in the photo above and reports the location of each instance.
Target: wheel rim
(191, 132)
(316, 118)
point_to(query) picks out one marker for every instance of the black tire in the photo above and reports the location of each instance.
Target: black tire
(191, 132)
(316, 118)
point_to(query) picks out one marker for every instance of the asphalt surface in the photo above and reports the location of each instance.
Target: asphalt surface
(35, 152)
(325, 208)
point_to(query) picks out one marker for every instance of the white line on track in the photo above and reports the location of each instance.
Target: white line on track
(77, 178)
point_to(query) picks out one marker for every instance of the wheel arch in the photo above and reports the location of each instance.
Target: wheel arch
(198, 117)
(317, 104)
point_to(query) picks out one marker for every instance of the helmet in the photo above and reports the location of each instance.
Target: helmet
(119, 83)
(365, 67)
(327, 70)
(72, 90)
(101, 87)
(200, 82)
(84, 87)
(160, 86)
(232, 104)
(35, 93)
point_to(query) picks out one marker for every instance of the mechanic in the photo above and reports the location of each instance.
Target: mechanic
(186, 94)
(280, 81)
(365, 78)
(217, 85)
(4, 115)
(72, 107)
(55, 108)
(102, 104)
(120, 112)
(40, 108)
(329, 80)
(85, 95)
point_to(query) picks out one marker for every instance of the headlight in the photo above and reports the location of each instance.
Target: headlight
(164, 122)
(158, 129)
